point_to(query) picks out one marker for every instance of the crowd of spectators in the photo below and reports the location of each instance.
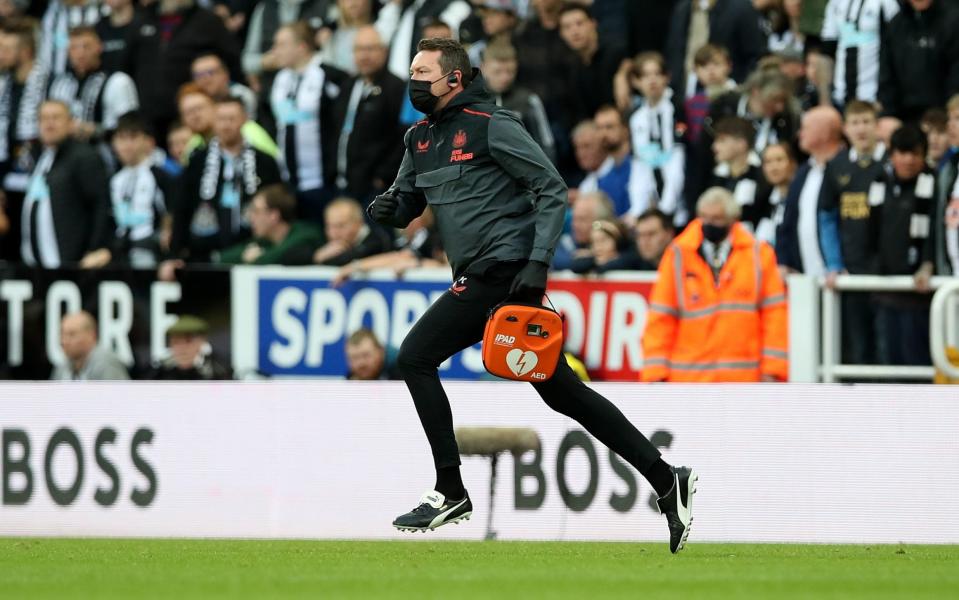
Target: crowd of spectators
(163, 133)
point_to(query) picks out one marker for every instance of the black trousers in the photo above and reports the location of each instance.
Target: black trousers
(456, 321)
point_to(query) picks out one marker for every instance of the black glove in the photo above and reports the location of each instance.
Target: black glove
(383, 208)
(530, 282)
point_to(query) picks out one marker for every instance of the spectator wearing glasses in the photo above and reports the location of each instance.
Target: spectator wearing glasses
(211, 75)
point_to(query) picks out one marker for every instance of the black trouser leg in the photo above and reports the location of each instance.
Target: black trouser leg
(454, 322)
(566, 393)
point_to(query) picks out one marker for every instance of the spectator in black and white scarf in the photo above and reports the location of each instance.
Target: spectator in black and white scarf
(22, 88)
(96, 98)
(60, 18)
(139, 193)
(219, 182)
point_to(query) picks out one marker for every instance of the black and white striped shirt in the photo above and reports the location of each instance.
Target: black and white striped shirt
(855, 26)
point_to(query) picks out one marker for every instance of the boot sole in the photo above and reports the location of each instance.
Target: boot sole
(463, 517)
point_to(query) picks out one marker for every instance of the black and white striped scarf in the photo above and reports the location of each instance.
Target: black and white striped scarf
(210, 180)
(81, 98)
(57, 22)
(27, 125)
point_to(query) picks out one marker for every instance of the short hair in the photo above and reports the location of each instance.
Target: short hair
(437, 23)
(81, 30)
(357, 337)
(736, 127)
(582, 127)
(650, 56)
(604, 205)
(500, 50)
(89, 321)
(57, 102)
(708, 53)
(25, 31)
(953, 103)
(176, 124)
(303, 33)
(452, 56)
(231, 99)
(203, 55)
(768, 80)
(787, 148)
(935, 119)
(278, 198)
(569, 7)
(350, 203)
(655, 213)
(189, 89)
(615, 229)
(133, 123)
(860, 107)
(723, 197)
(610, 108)
(909, 138)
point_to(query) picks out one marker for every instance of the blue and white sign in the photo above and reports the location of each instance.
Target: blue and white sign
(293, 321)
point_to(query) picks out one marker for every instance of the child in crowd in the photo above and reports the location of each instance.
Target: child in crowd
(657, 129)
(847, 224)
(709, 79)
(903, 201)
(139, 193)
(933, 124)
(738, 169)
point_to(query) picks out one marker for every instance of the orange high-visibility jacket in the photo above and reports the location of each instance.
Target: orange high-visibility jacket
(701, 330)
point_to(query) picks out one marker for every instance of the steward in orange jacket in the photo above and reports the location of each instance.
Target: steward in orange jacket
(726, 322)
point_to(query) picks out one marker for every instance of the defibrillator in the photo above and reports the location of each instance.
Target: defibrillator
(522, 341)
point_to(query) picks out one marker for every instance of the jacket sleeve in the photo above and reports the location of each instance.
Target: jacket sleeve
(662, 321)
(928, 251)
(267, 169)
(251, 58)
(774, 318)
(185, 201)
(830, 30)
(676, 45)
(225, 44)
(232, 255)
(412, 202)
(95, 189)
(889, 93)
(828, 221)
(786, 232)
(952, 56)
(393, 156)
(519, 155)
(751, 42)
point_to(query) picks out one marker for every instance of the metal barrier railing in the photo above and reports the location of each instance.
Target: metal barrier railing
(815, 350)
(942, 326)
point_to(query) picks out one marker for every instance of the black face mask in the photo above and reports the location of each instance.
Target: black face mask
(715, 233)
(422, 98)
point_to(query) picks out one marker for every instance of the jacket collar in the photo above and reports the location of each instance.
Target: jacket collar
(474, 93)
(692, 237)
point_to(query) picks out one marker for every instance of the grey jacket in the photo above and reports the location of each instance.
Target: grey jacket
(101, 365)
(494, 193)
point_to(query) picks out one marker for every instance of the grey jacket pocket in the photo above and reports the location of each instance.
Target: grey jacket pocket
(438, 185)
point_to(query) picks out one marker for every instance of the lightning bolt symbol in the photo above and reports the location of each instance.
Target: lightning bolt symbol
(521, 363)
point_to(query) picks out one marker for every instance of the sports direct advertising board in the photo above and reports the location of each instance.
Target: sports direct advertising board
(294, 322)
(324, 459)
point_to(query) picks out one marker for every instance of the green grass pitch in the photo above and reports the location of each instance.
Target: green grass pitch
(181, 569)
